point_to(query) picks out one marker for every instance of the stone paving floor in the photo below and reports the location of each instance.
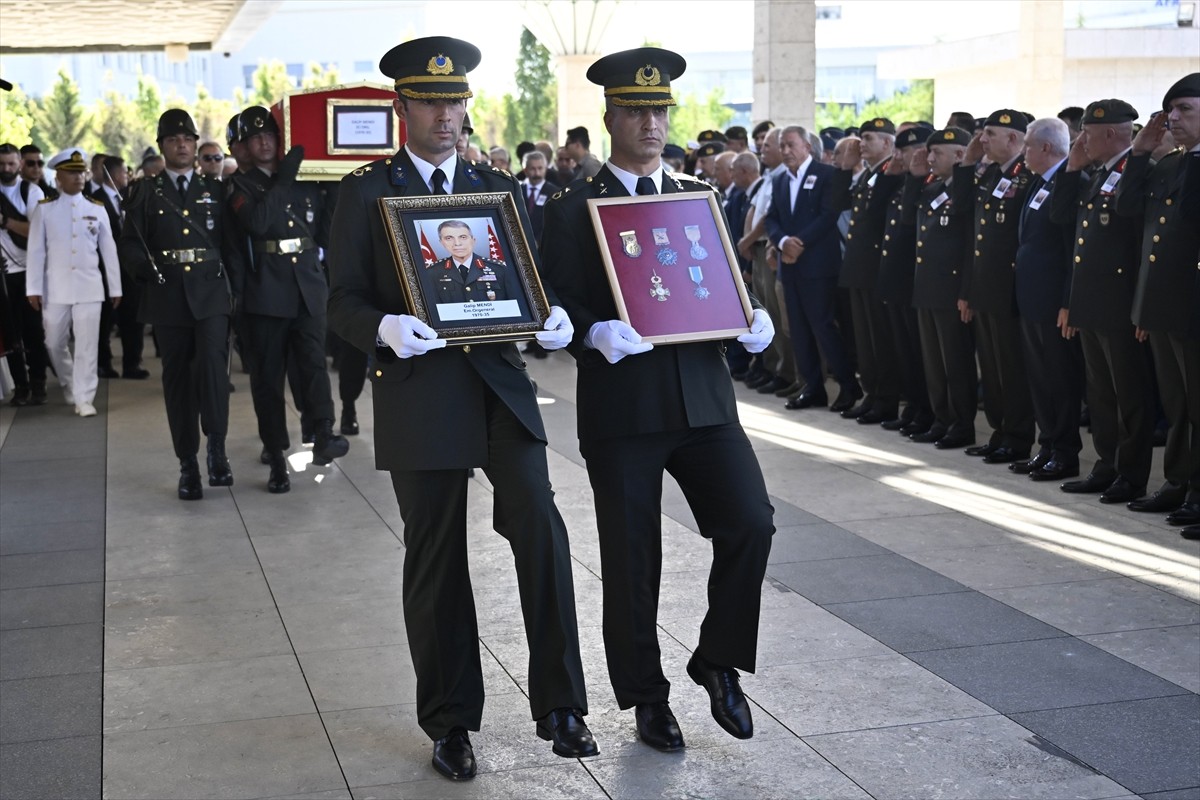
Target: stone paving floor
(932, 627)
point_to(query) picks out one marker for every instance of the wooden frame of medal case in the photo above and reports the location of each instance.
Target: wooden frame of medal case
(310, 118)
(408, 219)
(715, 307)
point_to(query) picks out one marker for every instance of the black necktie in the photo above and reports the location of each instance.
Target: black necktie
(181, 182)
(463, 270)
(439, 182)
(530, 194)
(646, 186)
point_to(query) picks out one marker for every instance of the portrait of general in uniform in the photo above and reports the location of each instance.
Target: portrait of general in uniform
(460, 283)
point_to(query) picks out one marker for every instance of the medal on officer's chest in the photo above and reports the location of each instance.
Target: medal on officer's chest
(491, 293)
(657, 290)
(1000, 217)
(943, 220)
(697, 276)
(693, 235)
(1104, 217)
(629, 244)
(665, 255)
(308, 212)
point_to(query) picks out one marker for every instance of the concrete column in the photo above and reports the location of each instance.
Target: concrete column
(1037, 84)
(785, 61)
(580, 102)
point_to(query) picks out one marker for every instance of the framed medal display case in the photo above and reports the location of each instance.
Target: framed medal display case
(466, 268)
(341, 127)
(671, 266)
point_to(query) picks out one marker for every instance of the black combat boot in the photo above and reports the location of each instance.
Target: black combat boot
(219, 471)
(278, 483)
(349, 420)
(329, 445)
(189, 479)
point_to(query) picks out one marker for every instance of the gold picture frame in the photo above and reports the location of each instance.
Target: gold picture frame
(499, 299)
(336, 107)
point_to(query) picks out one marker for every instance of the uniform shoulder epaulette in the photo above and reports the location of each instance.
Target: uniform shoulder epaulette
(365, 168)
(47, 200)
(94, 200)
(683, 177)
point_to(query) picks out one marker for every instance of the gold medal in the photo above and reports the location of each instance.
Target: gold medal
(657, 290)
(629, 244)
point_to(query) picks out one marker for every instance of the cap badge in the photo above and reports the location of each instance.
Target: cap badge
(440, 65)
(878, 123)
(648, 76)
(1098, 113)
(1005, 119)
(948, 135)
(76, 158)
(259, 122)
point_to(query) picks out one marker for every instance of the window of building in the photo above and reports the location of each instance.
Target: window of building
(296, 73)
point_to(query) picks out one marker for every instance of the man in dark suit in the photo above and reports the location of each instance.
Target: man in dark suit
(1102, 288)
(467, 277)
(648, 409)
(997, 195)
(536, 190)
(477, 408)
(283, 292)
(1166, 309)
(113, 178)
(801, 224)
(943, 230)
(171, 242)
(1042, 282)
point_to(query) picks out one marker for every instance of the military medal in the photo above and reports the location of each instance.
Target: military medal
(697, 276)
(943, 220)
(1000, 217)
(209, 222)
(1104, 217)
(308, 215)
(657, 290)
(491, 293)
(629, 244)
(693, 235)
(665, 255)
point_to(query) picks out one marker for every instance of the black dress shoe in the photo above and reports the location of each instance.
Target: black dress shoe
(761, 380)
(265, 456)
(894, 424)
(107, 372)
(569, 733)
(982, 450)
(772, 386)
(1165, 500)
(1092, 484)
(1121, 491)
(1054, 470)
(954, 441)
(856, 411)
(729, 706)
(349, 425)
(1186, 514)
(806, 400)
(846, 397)
(930, 436)
(916, 428)
(877, 417)
(657, 727)
(278, 482)
(1004, 455)
(219, 471)
(1026, 466)
(739, 375)
(1190, 532)
(189, 479)
(453, 756)
(789, 390)
(136, 374)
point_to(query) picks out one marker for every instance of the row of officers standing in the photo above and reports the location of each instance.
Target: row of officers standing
(1060, 266)
(210, 257)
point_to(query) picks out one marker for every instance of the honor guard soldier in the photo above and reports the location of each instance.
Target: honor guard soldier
(1166, 308)
(939, 286)
(283, 291)
(70, 243)
(1104, 277)
(440, 411)
(171, 241)
(859, 274)
(648, 409)
(997, 195)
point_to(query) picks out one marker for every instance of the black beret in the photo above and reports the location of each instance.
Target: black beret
(174, 121)
(833, 133)
(431, 68)
(916, 135)
(948, 136)
(711, 136)
(638, 77)
(1007, 118)
(1187, 86)
(1109, 112)
(674, 151)
(878, 125)
(736, 132)
(710, 149)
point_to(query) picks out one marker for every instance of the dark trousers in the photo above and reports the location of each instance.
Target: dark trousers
(812, 319)
(722, 481)
(906, 341)
(1006, 401)
(877, 367)
(195, 381)
(132, 332)
(1055, 369)
(948, 352)
(352, 370)
(272, 341)
(108, 317)
(439, 609)
(1177, 363)
(1118, 391)
(28, 362)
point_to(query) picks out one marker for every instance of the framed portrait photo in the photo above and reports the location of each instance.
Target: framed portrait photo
(465, 266)
(671, 266)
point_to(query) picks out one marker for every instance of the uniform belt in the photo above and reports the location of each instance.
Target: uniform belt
(285, 246)
(189, 256)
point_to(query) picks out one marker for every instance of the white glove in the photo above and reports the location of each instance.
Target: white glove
(558, 330)
(616, 339)
(761, 333)
(408, 336)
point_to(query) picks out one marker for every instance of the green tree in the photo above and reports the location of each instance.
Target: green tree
(319, 76)
(16, 117)
(149, 104)
(118, 127)
(211, 115)
(835, 115)
(537, 93)
(692, 115)
(269, 83)
(60, 119)
(911, 104)
(488, 118)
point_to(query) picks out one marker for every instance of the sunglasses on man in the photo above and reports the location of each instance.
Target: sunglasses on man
(34, 162)
(210, 158)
